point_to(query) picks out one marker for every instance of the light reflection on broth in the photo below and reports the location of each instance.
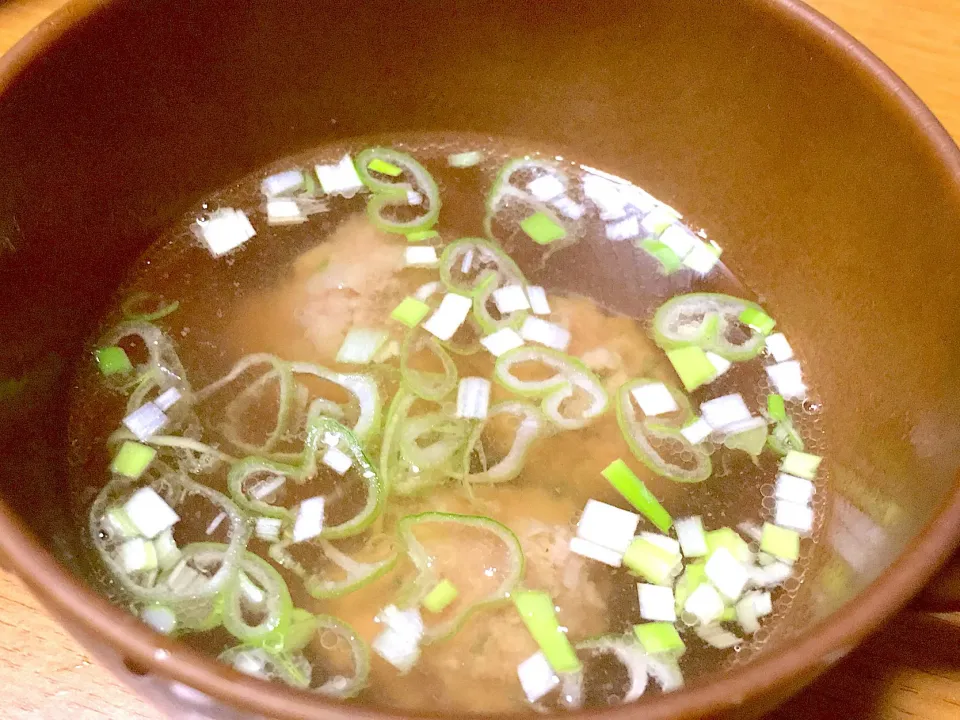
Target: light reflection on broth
(294, 291)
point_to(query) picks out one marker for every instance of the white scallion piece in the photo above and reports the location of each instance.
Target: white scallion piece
(399, 643)
(510, 298)
(426, 290)
(501, 341)
(268, 528)
(537, 677)
(215, 523)
(625, 229)
(779, 348)
(705, 603)
(138, 555)
(747, 615)
(794, 489)
(162, 619)
(770, 575)
(168, 554)
(742, 426)
(467, 261)
(794, 516)
(663, 542)
(658, 220)
(703, 258)
(251, 662)
(680, 240)
(150, 513)
(145, 421)
(538, 300)
(697, 431)
(340, 179)
(167, 398)
(762, 603)
(361, 345)
(654, 399)
(546, 188)
(421, 255)
(283, 183)
(606, 195)
(788, 379)
(465, 159)
(309, 522)
(656, 603)
(337, 460)
(727, 574)
(693, 540)
(751, 530)
(225, 230)
(267, 487)
(587, 549)
(448, 318)
(473, 398)
(414, 198)
(546, 333)
(251, 592)
(607, 526)
(723, 411)
(717, 637)
(569, 208)
(284, 211)
(720, 364)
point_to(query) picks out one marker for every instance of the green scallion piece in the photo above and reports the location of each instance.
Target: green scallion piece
(801, 464)
(659, 637)
(729, 614)
(132, 459)
(758, 320)
(538, 614)
(633, 489)
(728, 539)
(669, 261)
(410, 312)
(780, 542)
(382, 166)
(776, 408)
(465, 159)
(542, 228)
(439, 599)
(692, 365)
(694, 574)
(112, 360)
(421, 235)
(651, 562)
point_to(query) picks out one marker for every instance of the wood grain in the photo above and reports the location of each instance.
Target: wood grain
(910, 670)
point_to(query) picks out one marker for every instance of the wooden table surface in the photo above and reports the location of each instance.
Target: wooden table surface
(910, 670)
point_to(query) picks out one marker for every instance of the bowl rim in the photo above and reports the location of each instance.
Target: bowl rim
(781, 673)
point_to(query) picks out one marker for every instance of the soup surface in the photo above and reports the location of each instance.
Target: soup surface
(420, 423)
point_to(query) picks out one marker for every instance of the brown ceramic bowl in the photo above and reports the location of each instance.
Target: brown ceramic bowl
(834, 191)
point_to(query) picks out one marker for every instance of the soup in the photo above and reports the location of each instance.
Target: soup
(375, 423)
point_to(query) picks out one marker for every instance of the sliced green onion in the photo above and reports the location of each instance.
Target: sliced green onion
(710, 321)
(691, 536)
(693, 366)
(138, 555)
(132, 459)
(438, 599)
(361, 345)
(538, 614)
(465, 159)
(428, 385)
(410, 312)
(780, 542)
(260, 662)
(319, 583)
(160, 618)
(130, 308)
(647, 438)
(801, 464)
(119, 523)
(531, 426)
(422, 235)
(751, 440)
(758, 320)
(694, 574)
(776, 407)
(467, 264)
(659, 637)
(729, 540)
(297, 635)
(339, 686)
(542, 228)
(168, 554)
(633, 489)
(570, 375)
(112, 361)
(396, 193)
(426, 580)
(652, 562)
(630, 654)
(362, 387)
